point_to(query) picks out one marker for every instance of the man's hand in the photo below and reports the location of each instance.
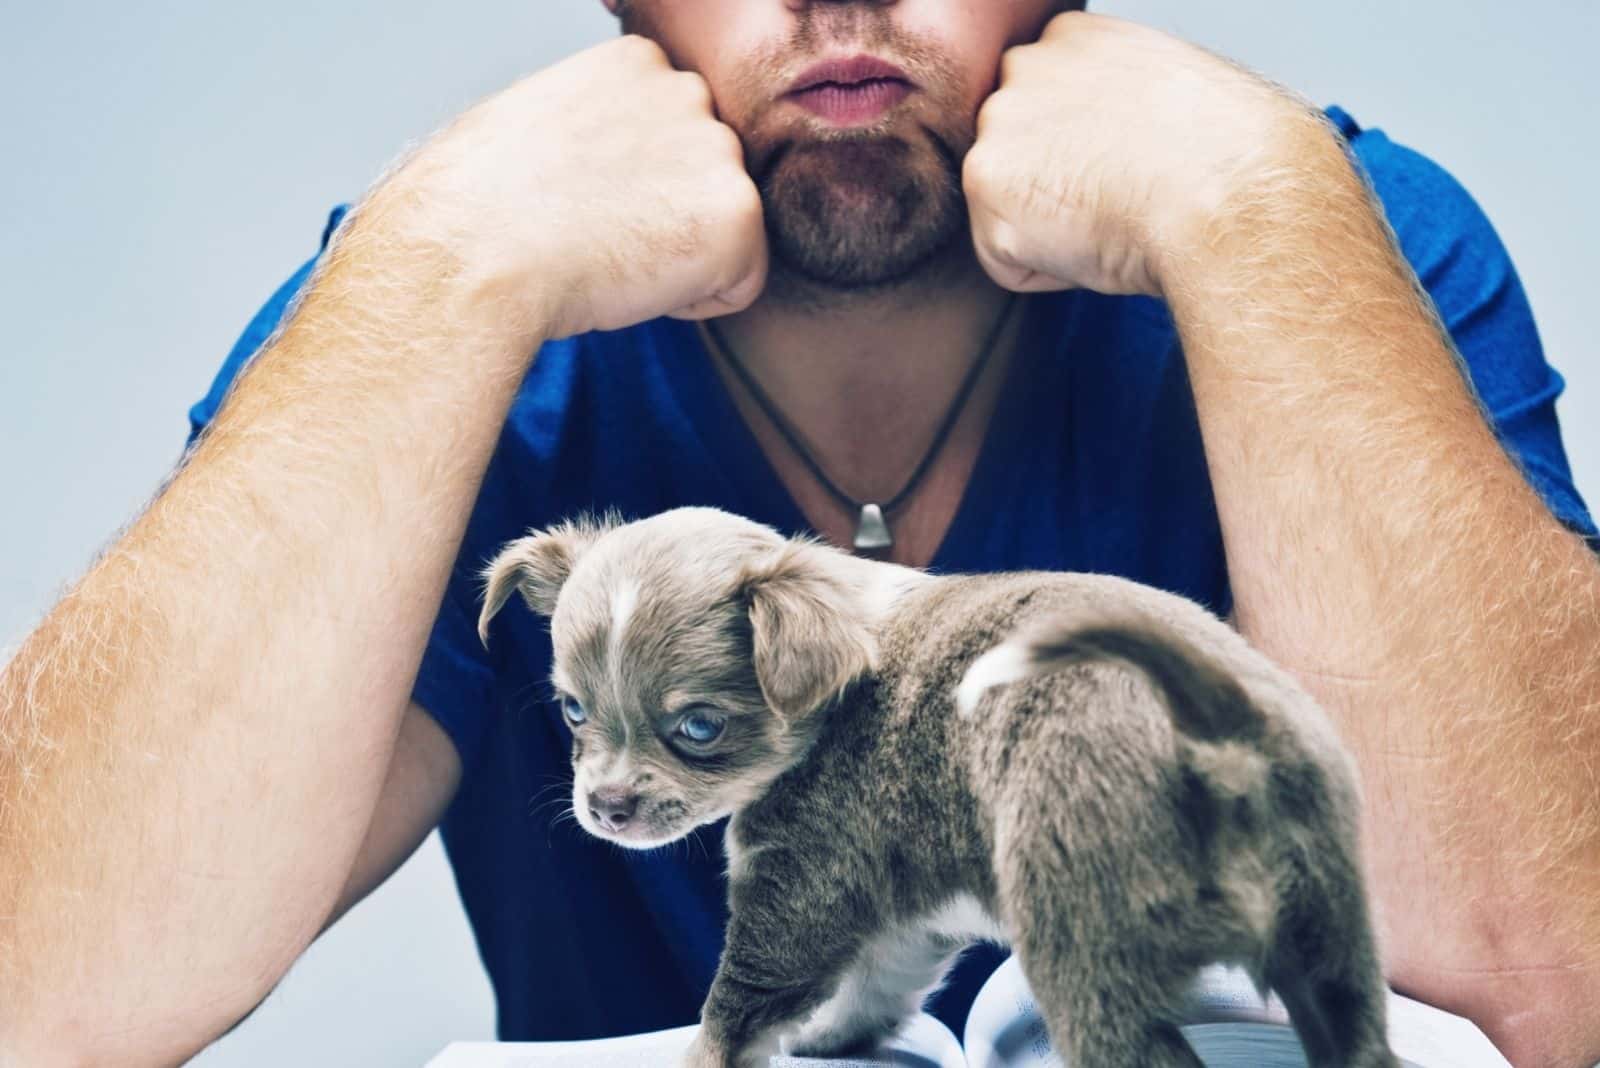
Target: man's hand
(597, 193)
(1107, 149)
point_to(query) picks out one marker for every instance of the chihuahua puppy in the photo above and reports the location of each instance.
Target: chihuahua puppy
(1099, 773)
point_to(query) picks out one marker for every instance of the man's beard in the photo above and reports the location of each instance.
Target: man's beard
(861, 213)
(850, 213)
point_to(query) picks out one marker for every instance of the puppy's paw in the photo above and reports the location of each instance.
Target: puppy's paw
(703, 1053)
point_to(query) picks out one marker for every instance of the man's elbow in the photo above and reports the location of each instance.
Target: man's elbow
(71, 1037)
(1547, 1036)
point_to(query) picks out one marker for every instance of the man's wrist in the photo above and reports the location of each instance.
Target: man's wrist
(419, 271)
(1291, 191)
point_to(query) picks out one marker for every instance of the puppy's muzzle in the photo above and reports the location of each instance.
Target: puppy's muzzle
(612, 809)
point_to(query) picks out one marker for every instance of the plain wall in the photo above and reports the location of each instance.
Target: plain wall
(167, 165)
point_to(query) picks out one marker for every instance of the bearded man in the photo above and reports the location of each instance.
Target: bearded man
(967, 286)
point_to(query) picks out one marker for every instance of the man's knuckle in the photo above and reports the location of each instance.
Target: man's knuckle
(694, 87)
(1068, 22)
(725, 140)
(640, 48)
(978, 169)
(745, 202)
(1005, 243)
(999, 108)
(732, 196)
(1013, 61)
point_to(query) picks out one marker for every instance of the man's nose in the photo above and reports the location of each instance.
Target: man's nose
(612, 809)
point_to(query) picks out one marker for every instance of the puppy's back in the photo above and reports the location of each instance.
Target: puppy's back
(939, 633)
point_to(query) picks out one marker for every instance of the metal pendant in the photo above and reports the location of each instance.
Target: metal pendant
(872, 532)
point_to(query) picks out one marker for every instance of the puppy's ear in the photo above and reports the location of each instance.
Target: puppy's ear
(537, 566)
(811, 637)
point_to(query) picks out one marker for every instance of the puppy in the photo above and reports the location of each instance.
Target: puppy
(1127, 791)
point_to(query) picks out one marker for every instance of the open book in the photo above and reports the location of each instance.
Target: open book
(1226, 1022)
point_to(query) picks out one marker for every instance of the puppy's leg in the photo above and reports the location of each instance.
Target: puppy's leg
(1096, 1011)
(1325, 965)
(789, 939)
(1096, 883)
(882, 989)
(1108, 990)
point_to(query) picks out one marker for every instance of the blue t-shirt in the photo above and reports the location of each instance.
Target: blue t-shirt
(1093, 463)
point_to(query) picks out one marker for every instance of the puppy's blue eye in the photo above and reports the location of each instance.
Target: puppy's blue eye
(573, 711)
(700, 729)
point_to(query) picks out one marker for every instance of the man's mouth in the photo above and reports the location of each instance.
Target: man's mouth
(851, 92)
(852, 105)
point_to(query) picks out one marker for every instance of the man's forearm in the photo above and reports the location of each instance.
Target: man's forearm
(1383, 546)
(194, 739)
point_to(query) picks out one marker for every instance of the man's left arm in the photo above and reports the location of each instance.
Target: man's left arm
(1381, 543)
(1383, 546)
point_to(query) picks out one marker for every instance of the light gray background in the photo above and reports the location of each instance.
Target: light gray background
(167, 164)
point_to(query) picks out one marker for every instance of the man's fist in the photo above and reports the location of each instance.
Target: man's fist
(595, 194)
(1108, 150)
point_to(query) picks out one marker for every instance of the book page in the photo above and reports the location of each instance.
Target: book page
(924, 1043)
(1229, 1024)
(659, 1047)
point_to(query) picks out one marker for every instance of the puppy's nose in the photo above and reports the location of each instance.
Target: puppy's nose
(612, 809)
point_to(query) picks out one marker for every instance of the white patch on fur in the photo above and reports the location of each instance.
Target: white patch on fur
(624, 599)
(893, 973)
(616, 773)
(887, 584)
(738, 855)
(580, 802)
(760, 1050)
(885, 984)
(1247, 884)
(1231, 768)
(965, 917)
(1002, 664)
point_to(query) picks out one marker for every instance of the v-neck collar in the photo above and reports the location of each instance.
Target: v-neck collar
(990, 486)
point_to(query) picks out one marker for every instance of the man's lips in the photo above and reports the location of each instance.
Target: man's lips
(849, 71)
(851, 91)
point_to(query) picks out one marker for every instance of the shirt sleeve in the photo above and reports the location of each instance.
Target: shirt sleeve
(1462, 263)
(454, 679)
(257, 333)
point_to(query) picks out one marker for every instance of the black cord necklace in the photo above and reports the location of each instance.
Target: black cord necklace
(872, 525)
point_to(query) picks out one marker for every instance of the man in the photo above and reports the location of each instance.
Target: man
(210, 752)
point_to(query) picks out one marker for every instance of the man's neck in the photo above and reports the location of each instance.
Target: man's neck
(867, 379)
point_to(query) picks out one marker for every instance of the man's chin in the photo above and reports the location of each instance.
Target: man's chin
(844, 228)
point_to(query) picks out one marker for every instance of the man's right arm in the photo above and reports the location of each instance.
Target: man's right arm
(194, 741)
(196, 736)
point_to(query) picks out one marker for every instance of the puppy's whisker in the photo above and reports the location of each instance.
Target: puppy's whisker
(555, 804)
(541, 794)
(555, 777)
(549, 797)
(568, 814)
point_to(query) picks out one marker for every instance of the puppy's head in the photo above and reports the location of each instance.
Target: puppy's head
(693, 651)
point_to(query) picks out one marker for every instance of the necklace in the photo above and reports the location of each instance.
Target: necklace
(872, 524)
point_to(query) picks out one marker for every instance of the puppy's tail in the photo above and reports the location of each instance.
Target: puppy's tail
(1205, 701)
